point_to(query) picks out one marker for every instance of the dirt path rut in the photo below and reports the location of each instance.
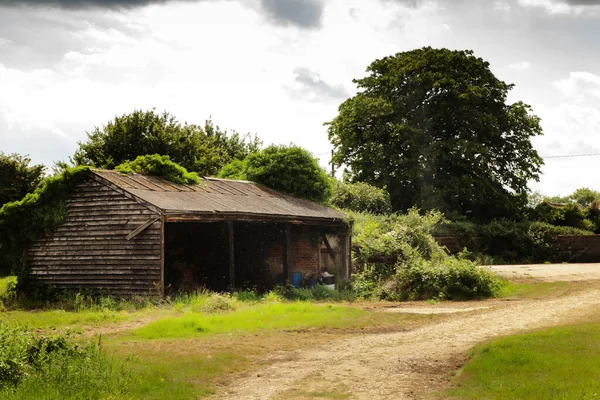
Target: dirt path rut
(404, 365)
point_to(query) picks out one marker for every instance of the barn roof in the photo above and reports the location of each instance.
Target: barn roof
(217, 197)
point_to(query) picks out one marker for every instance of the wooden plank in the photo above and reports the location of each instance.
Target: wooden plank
(94, 253)
(140, 228)
(133, 261)
(231, 257)
(287, 258)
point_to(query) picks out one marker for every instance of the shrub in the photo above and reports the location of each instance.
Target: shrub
(161, 166)
(289, 169)
(445, 279)
(361, 197)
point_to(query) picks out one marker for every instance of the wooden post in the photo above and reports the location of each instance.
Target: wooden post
(287, 259)
(162, 256)
(231, 258)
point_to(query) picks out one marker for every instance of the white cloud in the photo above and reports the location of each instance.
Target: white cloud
(502, 6)
(554, 7)
(520, 66)
(580, 86)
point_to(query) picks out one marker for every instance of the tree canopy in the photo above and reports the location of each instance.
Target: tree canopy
(288, 169)
(199, 149)
(434, 127)
(361, 197)
(18, 177)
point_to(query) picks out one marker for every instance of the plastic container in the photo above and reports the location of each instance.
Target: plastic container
(297, 279)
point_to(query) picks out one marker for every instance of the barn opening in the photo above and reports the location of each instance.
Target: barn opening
(250, 255)
(199, 255)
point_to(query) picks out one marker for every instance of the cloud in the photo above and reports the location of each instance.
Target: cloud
(576, 7)
(580, 87)
(520, 66)
(311, 85)
(300, 13)
(78, 4)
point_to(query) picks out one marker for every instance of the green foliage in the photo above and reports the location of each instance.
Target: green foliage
(288, 169)
(397, 258)
(444, 278)
(556, 363)
(434, 128)
(570, 214)
(38, 213)
(318, 292)
(35, 366)
(17, 177)
(161, 166)
(361, 197)
(200, 149)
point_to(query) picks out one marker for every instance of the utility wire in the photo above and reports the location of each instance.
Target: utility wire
(574, 155)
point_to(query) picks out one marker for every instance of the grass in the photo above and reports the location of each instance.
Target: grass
(528, 289)
(254, 318)
(556, 363)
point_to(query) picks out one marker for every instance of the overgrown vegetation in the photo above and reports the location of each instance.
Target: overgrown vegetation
(38, 213)
(397, 258)
(506, 241)
(556, 363)
(361, 197)
(157, 165)
(289, 169)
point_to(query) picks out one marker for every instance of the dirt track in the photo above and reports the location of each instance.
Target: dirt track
(408, 365)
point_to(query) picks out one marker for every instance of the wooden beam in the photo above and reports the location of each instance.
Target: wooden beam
(231, 257)
(287, 260)
(329, 250)
(141, 228)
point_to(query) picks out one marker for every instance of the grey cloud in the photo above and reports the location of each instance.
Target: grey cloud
(315, 87)
(78, 4)
(300, 13)
(583, 2)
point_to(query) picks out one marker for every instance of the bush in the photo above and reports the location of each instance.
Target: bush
(447, 279)
(361, 197)
(161, 166)
(288, 169)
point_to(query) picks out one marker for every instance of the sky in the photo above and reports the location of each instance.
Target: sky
(281, 68)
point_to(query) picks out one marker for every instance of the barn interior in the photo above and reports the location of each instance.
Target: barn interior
(248, 255)
(197, 255)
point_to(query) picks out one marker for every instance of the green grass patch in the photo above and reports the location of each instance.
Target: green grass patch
(253, 318)
(556, 363)
(534, 289)
(62, 319)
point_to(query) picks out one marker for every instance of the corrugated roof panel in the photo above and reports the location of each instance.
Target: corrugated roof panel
(217, 196)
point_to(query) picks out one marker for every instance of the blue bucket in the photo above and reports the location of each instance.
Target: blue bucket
(297, 279)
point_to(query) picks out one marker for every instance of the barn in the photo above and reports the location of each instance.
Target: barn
(141, 234)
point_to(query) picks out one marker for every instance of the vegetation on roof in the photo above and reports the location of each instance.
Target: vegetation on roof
(37, 214)
(161, 166)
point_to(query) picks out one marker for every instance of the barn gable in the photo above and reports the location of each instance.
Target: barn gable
(90, 250)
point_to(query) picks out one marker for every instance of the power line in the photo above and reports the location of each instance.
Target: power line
(574, 155)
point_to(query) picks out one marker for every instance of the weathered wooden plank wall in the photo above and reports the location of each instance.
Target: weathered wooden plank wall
(90, 250)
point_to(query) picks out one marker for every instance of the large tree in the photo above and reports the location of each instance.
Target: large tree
(199, 149)
(434, 127)
(18, 177)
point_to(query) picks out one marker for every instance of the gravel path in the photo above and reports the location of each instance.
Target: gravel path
(407, 365)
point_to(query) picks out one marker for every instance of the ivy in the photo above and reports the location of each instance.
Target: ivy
(31, 218)
(160, 166)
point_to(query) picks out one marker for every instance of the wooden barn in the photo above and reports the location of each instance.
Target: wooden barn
(139, 234)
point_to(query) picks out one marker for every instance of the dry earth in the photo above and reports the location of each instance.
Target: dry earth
(409, 365)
